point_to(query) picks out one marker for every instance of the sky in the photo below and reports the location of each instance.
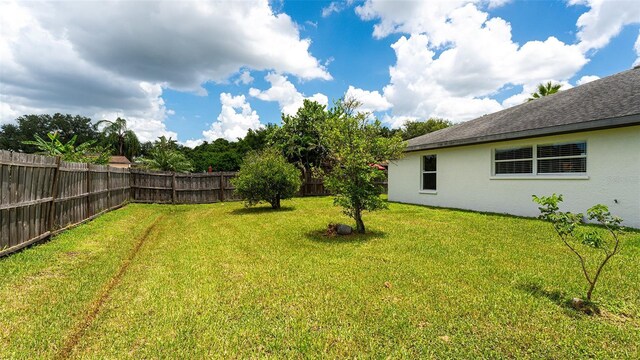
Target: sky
(200, 70)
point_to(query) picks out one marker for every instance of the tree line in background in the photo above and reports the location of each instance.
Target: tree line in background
(79, 138)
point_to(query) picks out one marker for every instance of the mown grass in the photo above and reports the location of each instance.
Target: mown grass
(150, 281)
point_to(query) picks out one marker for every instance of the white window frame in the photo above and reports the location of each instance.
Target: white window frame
(422, 172)
(534, 174)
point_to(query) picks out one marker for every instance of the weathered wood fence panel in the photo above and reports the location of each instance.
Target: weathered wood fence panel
(25, 198)
(176, 188)
(41, 196)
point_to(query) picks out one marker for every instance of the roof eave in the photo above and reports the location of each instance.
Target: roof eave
(599, 124)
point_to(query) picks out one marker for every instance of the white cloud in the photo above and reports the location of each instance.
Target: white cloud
(232, 124)
(286, 94)
(587, 78)
(245, 78)
(604, 20)
(444, 68)
(182, 43)
(413, 17)
(192, 142)
(371, 100)
(336, 7)
(397, 121)
(333, 7)
(52, 58)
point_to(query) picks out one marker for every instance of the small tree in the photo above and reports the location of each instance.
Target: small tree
(266, 176)
(356, 144)
(567, 226)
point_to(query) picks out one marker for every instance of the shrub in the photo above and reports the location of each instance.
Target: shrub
(266, 176)
(567, 226)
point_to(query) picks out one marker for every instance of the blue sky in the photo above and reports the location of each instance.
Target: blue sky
(202, 70)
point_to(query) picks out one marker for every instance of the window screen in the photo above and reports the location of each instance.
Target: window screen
(514, 161)
(429, 166)
(562, 158)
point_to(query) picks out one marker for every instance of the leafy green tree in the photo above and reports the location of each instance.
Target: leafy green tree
(574, 236)
(120, 137)
(300, 139)
(258, 139)
(355, 144)
(266, 176)
(85, 152)
(221, 155)
(13, 136)
(546, 89)
(165, 156)
(411, 129)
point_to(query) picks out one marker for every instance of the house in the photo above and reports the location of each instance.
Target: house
(120, 162)
(583, 143)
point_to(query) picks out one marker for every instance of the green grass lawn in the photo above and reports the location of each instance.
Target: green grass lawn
(152, 281)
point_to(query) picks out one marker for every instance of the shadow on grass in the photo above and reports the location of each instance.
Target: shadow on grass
(555, 296)
(261, 210)
(321, 236)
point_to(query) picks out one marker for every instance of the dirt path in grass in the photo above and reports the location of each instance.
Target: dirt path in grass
(95, 306)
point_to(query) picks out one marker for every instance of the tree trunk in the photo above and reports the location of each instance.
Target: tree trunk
(590, 291)
(275, 203)
(120, 147)
(359, 223)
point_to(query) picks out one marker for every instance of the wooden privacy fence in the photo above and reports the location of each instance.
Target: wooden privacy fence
(41, 196)
(176, 188)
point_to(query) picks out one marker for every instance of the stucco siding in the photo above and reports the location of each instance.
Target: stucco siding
(465, 180)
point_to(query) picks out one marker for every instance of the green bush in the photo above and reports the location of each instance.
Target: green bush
(266, 176)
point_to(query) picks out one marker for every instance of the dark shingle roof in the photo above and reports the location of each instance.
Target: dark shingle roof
(609, 102)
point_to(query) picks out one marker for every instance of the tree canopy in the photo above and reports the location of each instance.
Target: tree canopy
(545, 89)
(299, 136)
(411, 129)
(165, 156)
(14, 136)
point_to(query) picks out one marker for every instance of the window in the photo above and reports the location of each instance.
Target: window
(429, 172)
(562, 158)
(514, 161)
(567, 158)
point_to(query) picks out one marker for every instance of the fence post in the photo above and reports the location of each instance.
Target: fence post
(173, 187)
(221, 185)
(89, 212)
(108, 187)
(54, 194)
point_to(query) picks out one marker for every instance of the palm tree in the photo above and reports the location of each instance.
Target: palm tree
(545, 90)
(165, 156)
(121, 137)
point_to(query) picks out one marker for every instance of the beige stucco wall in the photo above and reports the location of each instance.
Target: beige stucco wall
(465, 180)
